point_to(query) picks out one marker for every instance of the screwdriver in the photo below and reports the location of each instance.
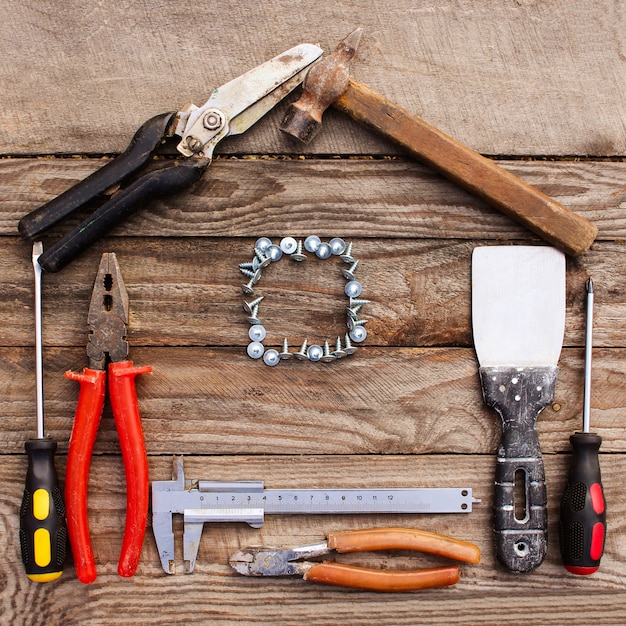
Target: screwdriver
(583, 509)
(43, 535)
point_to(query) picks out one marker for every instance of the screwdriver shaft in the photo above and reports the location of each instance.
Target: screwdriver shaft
(588, 350)
(37, 252)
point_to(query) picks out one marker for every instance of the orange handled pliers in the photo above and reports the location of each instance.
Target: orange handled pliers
(261, 561)
(107, 319)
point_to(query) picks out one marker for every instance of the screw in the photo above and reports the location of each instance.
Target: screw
(264, 260)
(194, 144)
(288, 245)
(253, 318)
(254, 276)
(358, 334)
(358, 302)
(328, 356)
(301, 354)
(349, 348)
(312, 243)
(297, 255)
(262, 244)
(274, 253)
(352, 313)
(247, 266)
(315, 352)
(248, 306)
(346, 257)
(349, 273)
(353, 289)
(255, 350)
(257, 332)
(352, 323)
(339, 352)
(249, 287)
(324, 251)
(337, 245)
(271, 357)
(285, 354)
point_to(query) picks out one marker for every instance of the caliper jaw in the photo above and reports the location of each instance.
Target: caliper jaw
(185, 498)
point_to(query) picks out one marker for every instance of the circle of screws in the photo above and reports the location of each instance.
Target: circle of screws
(266, 253)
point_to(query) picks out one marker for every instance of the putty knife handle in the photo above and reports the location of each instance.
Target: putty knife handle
(519, 395)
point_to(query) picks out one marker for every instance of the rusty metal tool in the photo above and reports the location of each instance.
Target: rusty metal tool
(125, 182)
(328, 82)
(202, 501)
(264, 561)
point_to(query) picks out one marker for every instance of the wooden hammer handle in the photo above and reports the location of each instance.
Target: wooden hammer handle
(481, 176)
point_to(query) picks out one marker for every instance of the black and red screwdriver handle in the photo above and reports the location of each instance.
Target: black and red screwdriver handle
(583, 509)
(121, 379)
(173, 175)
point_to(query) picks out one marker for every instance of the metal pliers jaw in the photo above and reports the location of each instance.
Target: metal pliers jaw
(107, 318)
(263, 561)
(230, 110)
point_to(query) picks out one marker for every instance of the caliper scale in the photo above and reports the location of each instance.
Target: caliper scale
(200, 502)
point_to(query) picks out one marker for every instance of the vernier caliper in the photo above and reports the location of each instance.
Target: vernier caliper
(242, 501)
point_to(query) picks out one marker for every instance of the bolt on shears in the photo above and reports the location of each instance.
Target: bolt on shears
(118, 187)
(108, 359)
(264, 561)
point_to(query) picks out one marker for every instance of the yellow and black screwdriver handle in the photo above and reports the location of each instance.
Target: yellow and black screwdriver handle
(43, 535)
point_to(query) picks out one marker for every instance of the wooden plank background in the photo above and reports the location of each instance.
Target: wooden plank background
(537, 85)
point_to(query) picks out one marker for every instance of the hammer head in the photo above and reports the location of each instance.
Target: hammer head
(324, 83)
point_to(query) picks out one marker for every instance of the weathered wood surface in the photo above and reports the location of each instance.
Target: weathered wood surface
(527, 79)
(505, 78)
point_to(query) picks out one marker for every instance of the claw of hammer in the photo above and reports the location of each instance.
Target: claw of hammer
(324, 83)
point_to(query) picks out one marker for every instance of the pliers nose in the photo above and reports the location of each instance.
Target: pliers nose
(107, 318)
(263, 561)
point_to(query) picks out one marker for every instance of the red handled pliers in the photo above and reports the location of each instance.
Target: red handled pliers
(107, 319)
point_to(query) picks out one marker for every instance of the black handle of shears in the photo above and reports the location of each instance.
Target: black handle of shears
(138, 153)
(175, 175)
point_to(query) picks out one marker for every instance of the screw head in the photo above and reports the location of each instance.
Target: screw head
(257, 332)
(312, 243)
(274, 253)
(315, 352)
(353, 289)
(288, 245)
(358, 334)
(262, 244)
(323, 251)
(271, 357)
(337, 246)
(255, 350)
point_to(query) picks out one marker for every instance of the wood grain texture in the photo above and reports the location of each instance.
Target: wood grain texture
(356, 198)
(214, 593)
(502, 77)
(518, 79)
(380, 401)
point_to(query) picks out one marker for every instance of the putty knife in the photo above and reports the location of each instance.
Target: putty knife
(518, 319)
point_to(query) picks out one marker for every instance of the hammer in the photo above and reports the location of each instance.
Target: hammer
(328, 82)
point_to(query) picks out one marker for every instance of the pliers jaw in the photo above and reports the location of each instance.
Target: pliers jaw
(264, 561)
(108, 315)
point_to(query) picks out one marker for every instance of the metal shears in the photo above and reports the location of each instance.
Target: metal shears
(231, 110)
